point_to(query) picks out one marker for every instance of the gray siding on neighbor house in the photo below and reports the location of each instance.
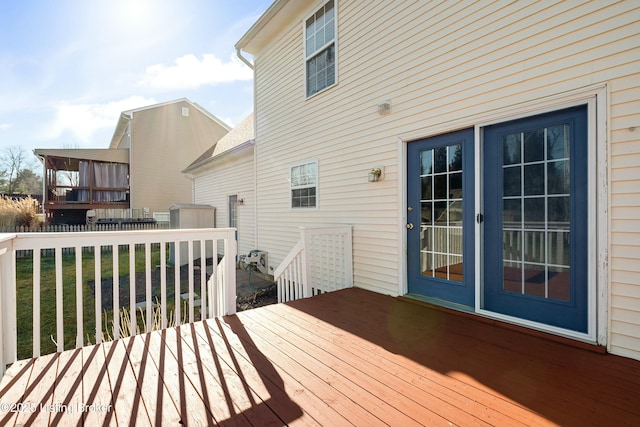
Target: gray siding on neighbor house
(163, 143)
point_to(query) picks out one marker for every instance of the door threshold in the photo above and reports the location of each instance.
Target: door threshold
(469, 312)
(437, 302)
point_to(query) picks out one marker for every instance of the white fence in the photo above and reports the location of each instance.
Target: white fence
(321, 261)
(217, 295)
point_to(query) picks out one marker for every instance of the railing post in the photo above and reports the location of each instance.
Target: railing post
(348, 256)
(306, 262)
(8, 331)
(230, 252)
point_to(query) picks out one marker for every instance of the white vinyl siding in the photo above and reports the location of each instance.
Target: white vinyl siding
(232, 175)
(624, 193)
(440, 64)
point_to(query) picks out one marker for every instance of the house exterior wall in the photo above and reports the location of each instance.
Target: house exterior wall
(232, 174)
(163, 142)
(443, 66)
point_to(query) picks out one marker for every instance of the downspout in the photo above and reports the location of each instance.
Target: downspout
(245, 60)
(255, 150)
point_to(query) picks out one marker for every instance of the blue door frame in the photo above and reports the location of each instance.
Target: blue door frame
(535, 219)
(434, 205)
(534, 222)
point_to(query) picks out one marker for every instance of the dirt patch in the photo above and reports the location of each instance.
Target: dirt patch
(262, 297)
(248, 296)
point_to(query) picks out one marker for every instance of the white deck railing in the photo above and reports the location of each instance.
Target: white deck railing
(217, 295)
(321, 261)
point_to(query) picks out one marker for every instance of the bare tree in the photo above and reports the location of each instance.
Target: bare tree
(14, 162)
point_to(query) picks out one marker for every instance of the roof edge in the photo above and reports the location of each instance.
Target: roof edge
(175, 101)
(264, 19)
(204, 162)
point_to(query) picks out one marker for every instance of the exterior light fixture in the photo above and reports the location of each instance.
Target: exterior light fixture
(384, 107)
(375, 174)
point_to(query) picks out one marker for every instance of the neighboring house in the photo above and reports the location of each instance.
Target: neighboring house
(507, 138)
(139, 174)
(224, 177)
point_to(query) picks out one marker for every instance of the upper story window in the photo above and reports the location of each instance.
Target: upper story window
(304, 185)
(320, 49)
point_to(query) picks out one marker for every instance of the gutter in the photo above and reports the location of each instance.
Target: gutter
(243, 59)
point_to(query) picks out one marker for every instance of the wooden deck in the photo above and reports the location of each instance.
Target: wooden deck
(350, 357)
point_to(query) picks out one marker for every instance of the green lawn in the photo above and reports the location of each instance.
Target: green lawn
(24, 285)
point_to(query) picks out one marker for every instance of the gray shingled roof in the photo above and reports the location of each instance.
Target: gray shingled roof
(241, 134)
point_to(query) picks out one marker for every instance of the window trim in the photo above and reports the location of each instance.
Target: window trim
(306, 58)
(316, 185)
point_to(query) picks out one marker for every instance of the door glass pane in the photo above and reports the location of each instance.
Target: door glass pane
(440, 186)
(534, 145)
(512, 149)
(455, 185)
(441, 212)
(558, 142)
(512, 248)
(455, 157)
(558, 177)
(534, 179)
(440, 159)
(426, 162)
(559, 280)
(536, 213)
(427, 213)
(511, 182)
(427, 188)
(233, 211)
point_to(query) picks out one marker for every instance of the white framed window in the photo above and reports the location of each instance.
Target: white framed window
(320, 31)
(304, 185)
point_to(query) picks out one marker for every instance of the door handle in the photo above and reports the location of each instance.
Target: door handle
(410, 226)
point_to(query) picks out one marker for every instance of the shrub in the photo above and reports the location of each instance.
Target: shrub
(18, 213)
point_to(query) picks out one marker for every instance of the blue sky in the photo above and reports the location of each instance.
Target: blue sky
(69, 67)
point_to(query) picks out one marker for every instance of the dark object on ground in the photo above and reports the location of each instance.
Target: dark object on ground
(260, 298)
(252, 291)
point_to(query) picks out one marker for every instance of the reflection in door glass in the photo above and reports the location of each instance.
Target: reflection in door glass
(536, 196)
(441, 212)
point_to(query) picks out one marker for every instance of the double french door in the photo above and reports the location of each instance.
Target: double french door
(531, 220)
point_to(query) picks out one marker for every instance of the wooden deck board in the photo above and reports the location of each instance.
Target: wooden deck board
(128, 409)
(12, 389)
(161, 409)
(402, 376)
(97, 391)
(230, 386)
(469, 398)
(68, 388)
(285, 362)
(285, 395)
(385, 387)
(356, 388)
(39, 391)
(167, 345)
(349, 357)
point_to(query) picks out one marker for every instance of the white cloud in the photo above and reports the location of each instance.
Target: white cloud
(83, 120)
(4, 126)
(189, 72)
